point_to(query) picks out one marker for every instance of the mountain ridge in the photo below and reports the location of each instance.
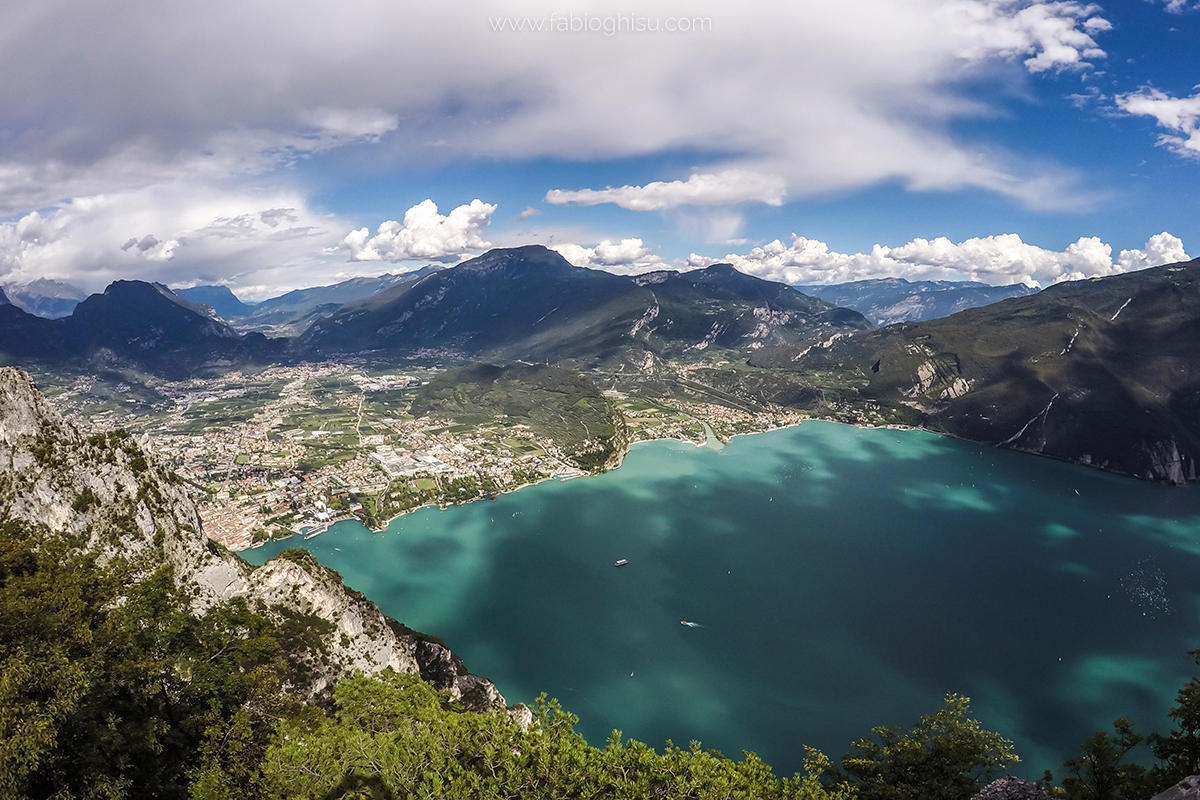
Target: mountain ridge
(886, 301)
(530, 303)
(1101, 372)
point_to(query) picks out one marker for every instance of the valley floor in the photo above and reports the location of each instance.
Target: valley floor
(293, 449)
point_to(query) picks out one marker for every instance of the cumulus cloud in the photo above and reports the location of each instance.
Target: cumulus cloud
(626, 257)
(701, 189)
(1179, 114)
(1051, 36)
(997, 260)
(424, 234)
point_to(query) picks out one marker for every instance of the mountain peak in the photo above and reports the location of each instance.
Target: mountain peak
(4, 301)
(720, 269)
(505, 257)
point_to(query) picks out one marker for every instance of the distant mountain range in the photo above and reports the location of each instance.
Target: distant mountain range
(530, 303)
(524, 303)
(885, 301)
(133, 322)
(219, 298)
(1103, 371)
(292, 313)
(45, 298)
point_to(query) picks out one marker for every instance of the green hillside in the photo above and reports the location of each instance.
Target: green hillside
(558, 404)
(1103, 372)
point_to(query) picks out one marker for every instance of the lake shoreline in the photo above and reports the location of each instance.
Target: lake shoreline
(700, 445)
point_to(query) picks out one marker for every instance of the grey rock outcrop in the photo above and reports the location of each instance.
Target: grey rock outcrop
(114, 499)
(1186, 789)
(1010, 788)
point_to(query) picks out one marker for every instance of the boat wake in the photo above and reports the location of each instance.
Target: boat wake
(690, 624)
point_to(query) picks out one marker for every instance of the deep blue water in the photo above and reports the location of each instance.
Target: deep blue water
(843, 579)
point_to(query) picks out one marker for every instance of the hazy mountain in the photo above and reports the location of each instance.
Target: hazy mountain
(291, 313)
(3, 298)
(45, 298)
(888, 300)
(530, 303)
(1104, 372)
(222, 300)
(142, 323)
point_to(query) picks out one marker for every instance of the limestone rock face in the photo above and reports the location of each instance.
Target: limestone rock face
(1010, 788)
(1186, 789)
(114, 499)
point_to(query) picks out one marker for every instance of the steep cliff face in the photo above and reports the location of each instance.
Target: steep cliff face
(104, 494)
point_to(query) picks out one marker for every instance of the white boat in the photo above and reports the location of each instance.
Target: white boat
(621, 562)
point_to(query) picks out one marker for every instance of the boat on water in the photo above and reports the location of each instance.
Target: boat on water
(621, 562)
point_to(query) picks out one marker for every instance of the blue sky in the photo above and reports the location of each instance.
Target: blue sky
(270, 145)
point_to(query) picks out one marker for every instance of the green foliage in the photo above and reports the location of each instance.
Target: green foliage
(1179, 751)
(944, 757)
(50, 604)
(1101, 772)
(558, 404)
(394, 736)
(85, 500)
(111, 688)
(45, 450)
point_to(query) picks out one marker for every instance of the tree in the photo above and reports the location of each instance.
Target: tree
(944, 757)
(1179, 751)
(395, 736)
(1100, 774)
(110, 687)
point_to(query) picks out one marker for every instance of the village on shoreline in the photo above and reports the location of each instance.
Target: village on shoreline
(292, 450)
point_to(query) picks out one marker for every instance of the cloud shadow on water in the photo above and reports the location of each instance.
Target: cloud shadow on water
(844, 578)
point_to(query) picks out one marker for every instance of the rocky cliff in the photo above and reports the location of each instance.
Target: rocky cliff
(105, 494)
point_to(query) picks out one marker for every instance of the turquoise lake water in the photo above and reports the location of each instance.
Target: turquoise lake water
(843, 579)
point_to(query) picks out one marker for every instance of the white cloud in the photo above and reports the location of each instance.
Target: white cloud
(424, 234)
(176, 234)
(1179, 114)
(996, 260)
(152, 249)
(1179, 6)
(626, 257)
(701, 189)
(1054, 35)
(339, 125)
(1163, 248)
(826, 96)
(529, 211)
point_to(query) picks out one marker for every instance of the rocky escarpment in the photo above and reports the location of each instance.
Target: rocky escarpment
(1103, 372)
(103, 493)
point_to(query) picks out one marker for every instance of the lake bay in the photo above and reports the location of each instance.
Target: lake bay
(840, 579)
